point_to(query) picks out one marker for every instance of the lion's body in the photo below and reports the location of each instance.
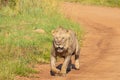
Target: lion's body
(65, 44)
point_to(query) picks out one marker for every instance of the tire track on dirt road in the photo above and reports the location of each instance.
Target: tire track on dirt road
(100, 53)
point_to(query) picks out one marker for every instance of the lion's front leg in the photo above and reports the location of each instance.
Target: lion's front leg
(53, 67)
(65, 65)
(77, 63)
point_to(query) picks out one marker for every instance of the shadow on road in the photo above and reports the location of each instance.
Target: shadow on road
(72, 66)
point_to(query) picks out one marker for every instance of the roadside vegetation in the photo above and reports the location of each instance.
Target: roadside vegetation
(110, 3)
(25, 34)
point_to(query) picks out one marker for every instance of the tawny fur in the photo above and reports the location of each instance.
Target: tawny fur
(65, 44)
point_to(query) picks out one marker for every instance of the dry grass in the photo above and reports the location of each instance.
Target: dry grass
(110, 3)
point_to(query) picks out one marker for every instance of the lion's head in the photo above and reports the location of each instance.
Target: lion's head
(61, 37)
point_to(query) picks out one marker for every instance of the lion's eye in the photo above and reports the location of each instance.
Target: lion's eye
(63, 38)
(56, 38)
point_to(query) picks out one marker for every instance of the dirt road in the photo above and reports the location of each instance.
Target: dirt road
(100, 54)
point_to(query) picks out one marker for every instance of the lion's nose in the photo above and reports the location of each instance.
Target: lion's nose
(59, 40)
(61, 47)
(58, 43)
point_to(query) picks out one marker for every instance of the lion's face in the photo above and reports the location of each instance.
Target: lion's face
(60, 39)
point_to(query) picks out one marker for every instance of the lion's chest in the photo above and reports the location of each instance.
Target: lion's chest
(62, 54)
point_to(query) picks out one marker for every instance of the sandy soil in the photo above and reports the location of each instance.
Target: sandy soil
(100, 54)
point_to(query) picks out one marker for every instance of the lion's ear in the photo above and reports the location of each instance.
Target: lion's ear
(67, 31)
(53, 32)
(60, 27)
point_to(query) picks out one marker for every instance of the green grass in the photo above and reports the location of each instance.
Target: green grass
(20, 46)
(110, 3)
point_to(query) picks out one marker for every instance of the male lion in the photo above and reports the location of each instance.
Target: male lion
(65, 44)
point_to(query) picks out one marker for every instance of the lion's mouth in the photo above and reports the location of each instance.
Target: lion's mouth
(60, 49)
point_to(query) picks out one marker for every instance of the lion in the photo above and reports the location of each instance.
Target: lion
(65, 44)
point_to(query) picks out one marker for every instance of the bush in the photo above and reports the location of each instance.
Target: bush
(14, 7)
